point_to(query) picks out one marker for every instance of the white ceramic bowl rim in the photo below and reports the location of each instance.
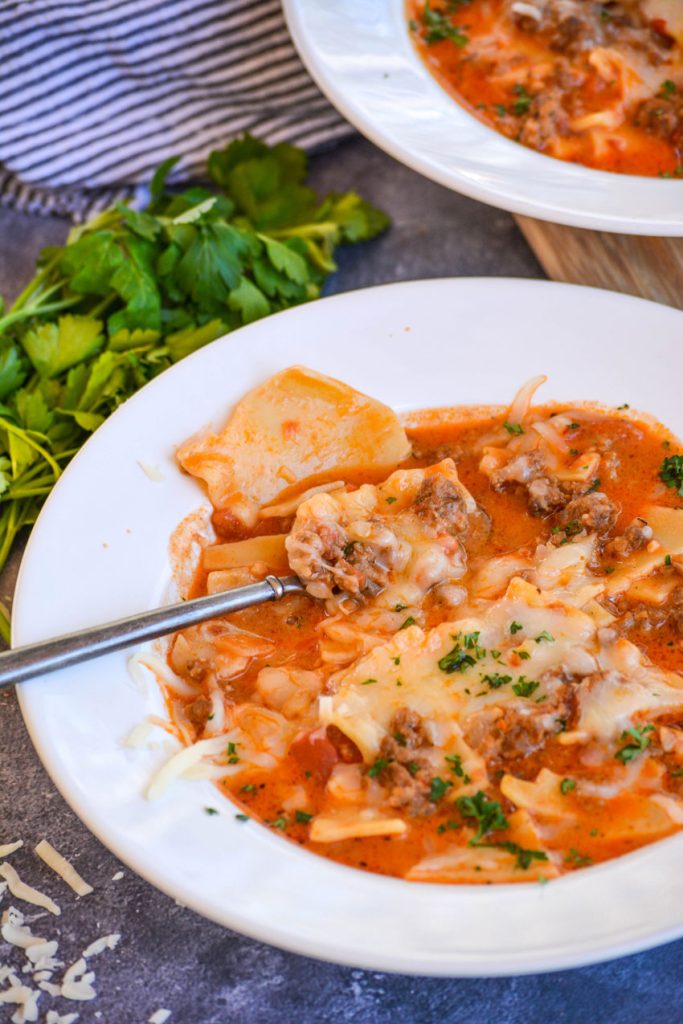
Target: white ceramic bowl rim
(361, 57)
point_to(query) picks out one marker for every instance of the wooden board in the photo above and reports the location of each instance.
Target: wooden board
(638, 265)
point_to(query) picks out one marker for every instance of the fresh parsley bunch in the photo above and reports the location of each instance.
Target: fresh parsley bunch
(133, 292)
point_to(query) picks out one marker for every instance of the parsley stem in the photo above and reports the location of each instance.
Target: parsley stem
(34, 284)
(25, 436)
(26, 492)
(5, 631)
(38, 310)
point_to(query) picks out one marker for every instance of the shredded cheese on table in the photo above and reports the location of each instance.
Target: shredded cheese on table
(61, 866)
(25, 892)
(8, 848)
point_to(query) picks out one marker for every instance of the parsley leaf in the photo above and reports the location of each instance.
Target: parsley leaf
(438, 788)
(638, 741)
(379, 765)
(579, 860)
(458, 658)
(495, 680)
(487, 813)
(455, 762)
(671, 472)
(438, 27)
(525, 687)
(545, 635)
(524, 857)
(523, 102)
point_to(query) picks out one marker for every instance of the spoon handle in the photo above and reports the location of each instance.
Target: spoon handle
(48, 655)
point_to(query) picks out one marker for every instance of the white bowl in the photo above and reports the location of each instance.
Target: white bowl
(99, 551)
(360, 54)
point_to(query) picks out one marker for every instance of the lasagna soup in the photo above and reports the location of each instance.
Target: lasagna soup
(599, 84)
(481, 682)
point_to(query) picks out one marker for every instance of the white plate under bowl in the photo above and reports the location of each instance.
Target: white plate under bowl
(362, 58)
(99, 551)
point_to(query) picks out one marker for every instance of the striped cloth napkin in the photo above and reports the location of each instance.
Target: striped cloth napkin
(94, 94)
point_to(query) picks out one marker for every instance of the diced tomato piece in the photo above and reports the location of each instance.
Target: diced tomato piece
(315, 753)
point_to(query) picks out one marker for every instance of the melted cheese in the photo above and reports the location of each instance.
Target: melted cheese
(405, 672)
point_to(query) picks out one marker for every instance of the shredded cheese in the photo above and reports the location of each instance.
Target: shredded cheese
(77, 982)
(152, 473)
(99, 945)
(61, 866)
(25, 892)
(10, 847)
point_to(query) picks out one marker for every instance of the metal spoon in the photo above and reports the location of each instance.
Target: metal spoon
(49, 655)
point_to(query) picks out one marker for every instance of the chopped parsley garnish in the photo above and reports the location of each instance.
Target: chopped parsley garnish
(500, 109)
(410, 621)
(400, 739)
(572, 528)
(514, 428)
(280, 823)
(667, 560)
(496, 680)
(487, 813)
(609, 569)
(438, 789)
(438, 27)
(368, 682)
(625, 405)
(450, 824)
(545, 635)
(525, 687)
(676, 772)
(458, 658)
(524, 655)
(455, 762)
(577, 859)
(400, 607)
(515, 627)
(391, 500)
(594, 486)
(523, 102)
(668, 88)
(241, 817)
(638, 741)
(574, 426)
(347, 550)
(210, 810)
(249, 788)
(377, 766)
(233, 756)
(397, 660)
(671, 472)
(303, 817)
(567, 785)
(413, 767)
(524, 857)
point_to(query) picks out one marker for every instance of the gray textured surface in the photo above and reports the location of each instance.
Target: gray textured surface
(170, 957)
